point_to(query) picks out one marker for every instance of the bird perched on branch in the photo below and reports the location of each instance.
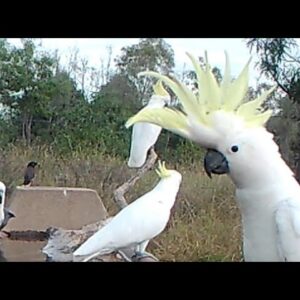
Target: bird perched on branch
(144, 135)
(5, 214)
(232, 128)
(137, 223)
(29, 173)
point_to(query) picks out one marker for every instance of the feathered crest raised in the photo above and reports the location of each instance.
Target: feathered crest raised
(162, 171)
(159, 89)
(229, 96)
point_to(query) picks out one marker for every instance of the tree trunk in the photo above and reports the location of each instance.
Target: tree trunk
(23, 129)
(28, 130)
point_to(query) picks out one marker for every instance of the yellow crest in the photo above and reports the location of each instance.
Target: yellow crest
(229, 96)
(159, 89)
(162, 171)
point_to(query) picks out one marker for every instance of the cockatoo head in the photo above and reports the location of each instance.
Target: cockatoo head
(218, 117)
(160, 95)
(170, 176)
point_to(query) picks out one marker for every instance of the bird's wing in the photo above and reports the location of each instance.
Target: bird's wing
(144, 136)
(138, 222)
(29, 175)
(287, 218)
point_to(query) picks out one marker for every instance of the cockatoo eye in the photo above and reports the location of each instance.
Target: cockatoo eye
(234, 148)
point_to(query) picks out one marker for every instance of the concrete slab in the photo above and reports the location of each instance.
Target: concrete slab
(40, 207)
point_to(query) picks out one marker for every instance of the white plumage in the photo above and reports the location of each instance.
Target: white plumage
(5, 214)
(137, 223)
(287, 218)
(267, 194)
(2, 201)
(219, 118)
(144, 135)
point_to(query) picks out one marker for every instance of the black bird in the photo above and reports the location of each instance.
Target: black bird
(29, 173)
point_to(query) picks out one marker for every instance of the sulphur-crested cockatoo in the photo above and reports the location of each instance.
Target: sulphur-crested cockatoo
(5, 214)
(219, 118)
(137, 223)
(144, 135)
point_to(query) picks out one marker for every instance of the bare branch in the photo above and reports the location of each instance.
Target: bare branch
(109, 52)
(287, 91)
(124, 188)
(293, 59)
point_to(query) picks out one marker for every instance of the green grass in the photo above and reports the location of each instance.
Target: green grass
(205, 221)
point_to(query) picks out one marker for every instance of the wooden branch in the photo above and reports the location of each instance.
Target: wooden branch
(124, 188)
(62, 243)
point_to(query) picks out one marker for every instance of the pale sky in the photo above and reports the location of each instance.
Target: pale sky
(96, 48)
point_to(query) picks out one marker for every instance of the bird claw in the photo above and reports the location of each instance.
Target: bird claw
(143, 256)
(124, 256)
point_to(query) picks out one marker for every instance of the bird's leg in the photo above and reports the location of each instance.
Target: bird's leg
(144, 254)
(91, 257)
(141, 253)
(124, 256)
(142, 246)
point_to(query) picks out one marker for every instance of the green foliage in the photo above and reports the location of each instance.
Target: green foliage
(175, 149)
(149, 54)
(24, 82)
(280, 62)
(44, 103)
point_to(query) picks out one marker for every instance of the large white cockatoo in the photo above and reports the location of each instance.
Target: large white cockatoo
(139, 222)
(144, 135)
(5, 214)
(219, 118)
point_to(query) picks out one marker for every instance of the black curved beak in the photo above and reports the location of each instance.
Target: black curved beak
(215, 163)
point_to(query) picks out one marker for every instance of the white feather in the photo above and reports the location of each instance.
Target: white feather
(145, 135)
(2, 202)
(287, 219)
(267, 194)
(138, 222)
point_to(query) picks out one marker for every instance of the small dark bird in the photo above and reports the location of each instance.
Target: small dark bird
(29, 173)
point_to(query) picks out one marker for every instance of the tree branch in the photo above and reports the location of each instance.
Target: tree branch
(124, 188)
(280, 85)
(293, 59)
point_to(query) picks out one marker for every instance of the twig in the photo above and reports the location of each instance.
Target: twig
(124, 188)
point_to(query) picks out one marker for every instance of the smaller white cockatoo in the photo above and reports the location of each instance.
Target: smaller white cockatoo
(5, 214)
(139, 222)
(144, 135)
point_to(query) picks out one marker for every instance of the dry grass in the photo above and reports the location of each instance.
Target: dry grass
(205, 222)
